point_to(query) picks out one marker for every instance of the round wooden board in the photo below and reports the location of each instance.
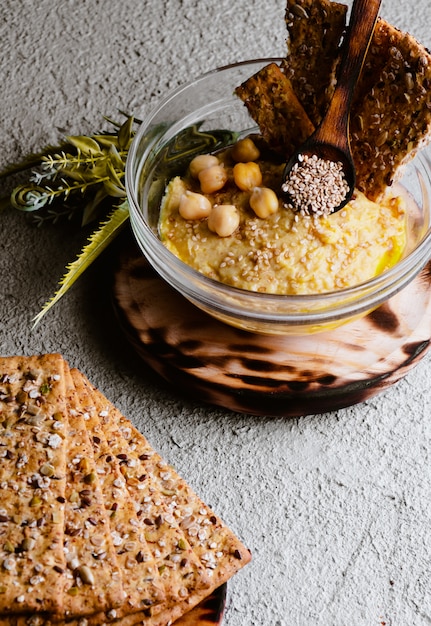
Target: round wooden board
(270, 375)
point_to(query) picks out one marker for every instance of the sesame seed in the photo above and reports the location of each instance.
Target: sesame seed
(316, 186)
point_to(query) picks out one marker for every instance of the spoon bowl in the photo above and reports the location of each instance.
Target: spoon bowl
(326, 174)
(330, 142)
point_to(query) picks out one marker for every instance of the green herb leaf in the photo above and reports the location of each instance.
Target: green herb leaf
(90, 210)
(97, 242)
(29, 197)
(113, 189)
(106, 140)
(114, 175)
(87, 145)
(125, 134)
(115, 157)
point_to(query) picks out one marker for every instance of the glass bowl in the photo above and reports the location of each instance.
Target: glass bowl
(202, 116)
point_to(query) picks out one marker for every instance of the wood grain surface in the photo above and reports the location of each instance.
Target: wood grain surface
(270, 375)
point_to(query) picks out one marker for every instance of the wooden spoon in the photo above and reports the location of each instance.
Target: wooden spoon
(330, 141)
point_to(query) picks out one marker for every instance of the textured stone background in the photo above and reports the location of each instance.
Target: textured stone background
(335, 507)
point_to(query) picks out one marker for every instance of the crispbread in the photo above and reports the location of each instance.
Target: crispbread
(391, 114)
(32, 480)
(109, 466)
(218, 549)
(315, 29)
(141, 578)
(92, 580)
(272, 103)
(181, 572)
(154, 483)
(391, 111)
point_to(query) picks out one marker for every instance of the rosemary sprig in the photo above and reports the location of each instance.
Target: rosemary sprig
(86, 174)
(89, 168)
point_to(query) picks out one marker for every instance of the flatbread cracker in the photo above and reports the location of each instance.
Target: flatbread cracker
(92, 579)
(32, 481)
(181, 572)
(391, 113)
(272, 103)
(141, 578)
(219, 552)
(218, 549)
(108, 463)
(315, 29)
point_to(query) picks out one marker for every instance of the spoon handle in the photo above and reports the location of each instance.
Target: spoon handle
(334, 128)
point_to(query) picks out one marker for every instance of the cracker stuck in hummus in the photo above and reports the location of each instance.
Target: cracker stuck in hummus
(231, 221)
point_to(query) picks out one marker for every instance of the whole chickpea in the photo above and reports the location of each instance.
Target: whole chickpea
(245, 150)
(247, 175)
(212, 178)
(194, 206)
(202, 162)
(223, 219)
(264, 201)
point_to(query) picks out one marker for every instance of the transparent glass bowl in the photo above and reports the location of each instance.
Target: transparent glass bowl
(201, 116)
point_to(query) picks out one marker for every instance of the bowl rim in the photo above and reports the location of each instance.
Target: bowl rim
(345, 295)
(146, 119)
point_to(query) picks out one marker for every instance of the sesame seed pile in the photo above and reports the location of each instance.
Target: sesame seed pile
(316, 186)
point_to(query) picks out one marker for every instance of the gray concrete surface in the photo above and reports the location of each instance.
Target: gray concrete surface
(336, 508)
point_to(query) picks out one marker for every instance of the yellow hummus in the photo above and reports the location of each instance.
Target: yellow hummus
(286, 253)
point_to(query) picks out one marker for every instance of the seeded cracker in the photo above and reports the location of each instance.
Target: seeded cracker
(157, 487)
(391, 114)
(181, 572)
(315, 28)
(32, 481)
(218, 549)
(141, 578)
(272, 103)
(92, 580)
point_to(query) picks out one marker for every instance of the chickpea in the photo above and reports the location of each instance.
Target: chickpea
(264, 201)
(245, 150)
(223, 220)
(202, 162)
(194, 206)
(247, 175)
(212, 178)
